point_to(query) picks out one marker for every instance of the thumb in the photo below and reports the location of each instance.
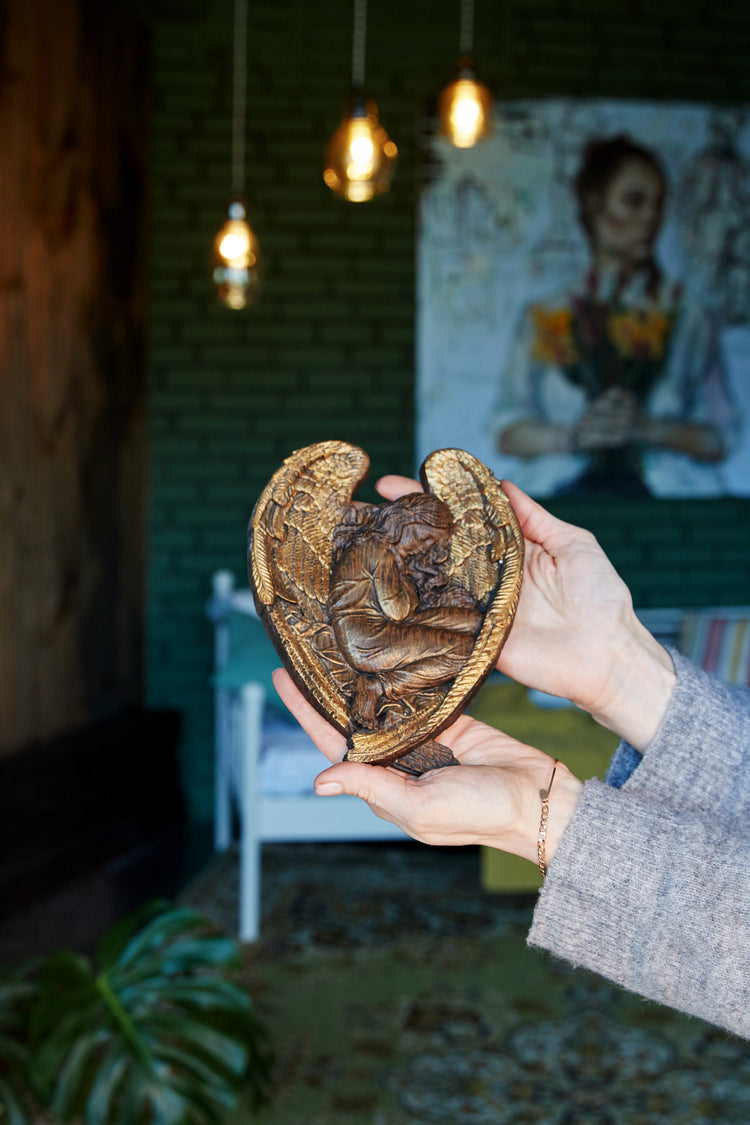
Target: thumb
(537, 524)
(387, 792)
(392, 487)
(370, 783)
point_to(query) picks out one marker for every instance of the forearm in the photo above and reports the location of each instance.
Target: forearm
(532, 439)
(655, 898)
(699, 758)
(698, 440)
(395, 596)
(459, 619)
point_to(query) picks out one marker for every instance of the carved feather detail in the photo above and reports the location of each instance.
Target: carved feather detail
(307, 506)
(289, 556)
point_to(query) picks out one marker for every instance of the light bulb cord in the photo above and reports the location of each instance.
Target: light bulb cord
(466, 36)
(359, 44)
(239, 98)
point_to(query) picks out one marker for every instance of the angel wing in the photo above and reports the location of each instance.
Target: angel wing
(486, 558)
(486, 529)
(290, 546)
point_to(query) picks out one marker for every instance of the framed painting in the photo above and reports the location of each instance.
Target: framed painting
(583, 301)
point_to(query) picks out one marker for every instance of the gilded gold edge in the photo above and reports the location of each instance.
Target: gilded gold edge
(335, 708)
(258, 569)
(327, 700)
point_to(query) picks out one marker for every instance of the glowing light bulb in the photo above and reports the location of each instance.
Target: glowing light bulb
(466, 115)
(236, 260)
(236, 242)
(361, 150)
(464, 111)
(360, 159)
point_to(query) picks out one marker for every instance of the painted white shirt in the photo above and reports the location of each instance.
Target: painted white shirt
(691, 387)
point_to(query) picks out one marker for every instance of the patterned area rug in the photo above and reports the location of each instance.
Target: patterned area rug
(399, 993)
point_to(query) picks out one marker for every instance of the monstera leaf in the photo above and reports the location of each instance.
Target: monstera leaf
(17, 991)
(155, 1029)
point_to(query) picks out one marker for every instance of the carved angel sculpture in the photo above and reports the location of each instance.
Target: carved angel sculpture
(388, 616)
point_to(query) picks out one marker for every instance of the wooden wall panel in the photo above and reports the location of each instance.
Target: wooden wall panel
(72, 365)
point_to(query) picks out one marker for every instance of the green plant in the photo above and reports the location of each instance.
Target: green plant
(154, 1030)
(17, 992)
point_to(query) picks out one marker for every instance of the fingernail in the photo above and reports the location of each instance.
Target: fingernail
(328, 788)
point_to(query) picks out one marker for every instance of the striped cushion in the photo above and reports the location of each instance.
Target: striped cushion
(719, 643)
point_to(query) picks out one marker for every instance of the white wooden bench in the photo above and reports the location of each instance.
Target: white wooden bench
(265, 764)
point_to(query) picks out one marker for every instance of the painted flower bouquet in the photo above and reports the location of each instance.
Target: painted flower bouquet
(602, 344)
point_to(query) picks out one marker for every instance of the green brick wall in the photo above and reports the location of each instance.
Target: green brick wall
(329, 350)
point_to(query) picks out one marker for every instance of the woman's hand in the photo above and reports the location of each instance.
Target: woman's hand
(492, 798)
(575, 633)
(608, 422)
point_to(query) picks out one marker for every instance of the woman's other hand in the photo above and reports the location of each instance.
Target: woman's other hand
(576, 634)
(491, 799)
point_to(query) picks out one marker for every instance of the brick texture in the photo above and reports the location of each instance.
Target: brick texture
(329, 349)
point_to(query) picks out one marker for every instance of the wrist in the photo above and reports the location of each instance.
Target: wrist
(563, 801)
(640, 687)
(523, 837)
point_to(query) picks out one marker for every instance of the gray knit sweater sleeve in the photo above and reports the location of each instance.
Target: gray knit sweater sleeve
(650, 884)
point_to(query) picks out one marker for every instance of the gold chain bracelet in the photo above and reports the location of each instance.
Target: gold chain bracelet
(542, 838)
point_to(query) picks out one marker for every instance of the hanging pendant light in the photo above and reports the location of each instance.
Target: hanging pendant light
(465, 107)
(360, 158)
(236, 256)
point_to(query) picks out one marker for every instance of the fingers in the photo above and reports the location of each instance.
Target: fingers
(608, 422)
(432, 808)
(391, 795)
(454, 805)
(325, 737)
(537, 524)
(372, 784)
(391, 487)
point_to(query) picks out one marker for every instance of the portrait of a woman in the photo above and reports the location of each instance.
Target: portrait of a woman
(616, 384)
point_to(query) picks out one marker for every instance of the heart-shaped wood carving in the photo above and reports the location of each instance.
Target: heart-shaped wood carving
(388, 616)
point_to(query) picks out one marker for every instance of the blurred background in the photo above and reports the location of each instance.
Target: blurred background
(140, 418)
